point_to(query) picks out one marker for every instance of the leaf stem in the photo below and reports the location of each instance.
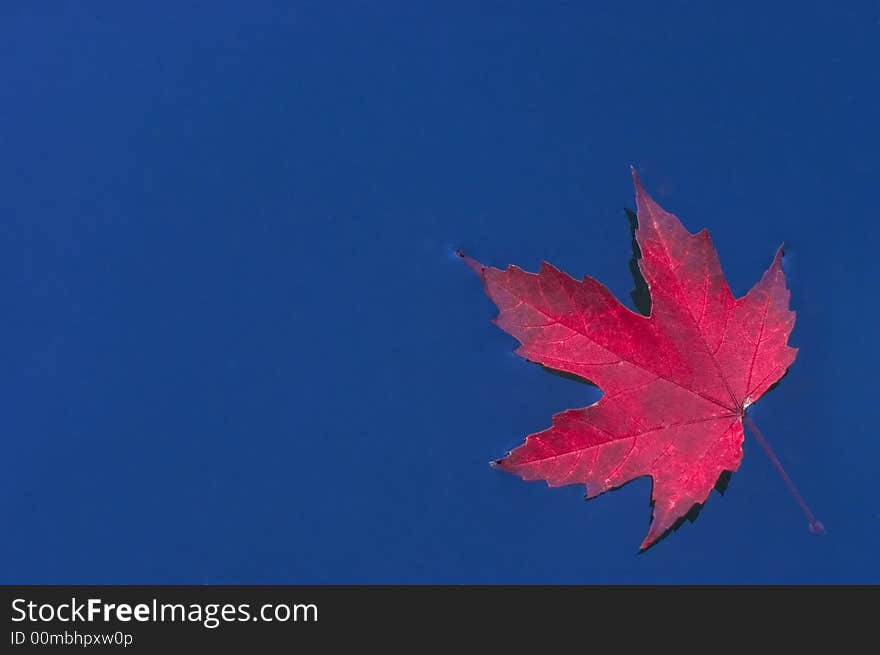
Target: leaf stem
(815, 525)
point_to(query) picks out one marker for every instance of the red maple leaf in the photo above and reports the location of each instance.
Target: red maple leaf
(676, 383)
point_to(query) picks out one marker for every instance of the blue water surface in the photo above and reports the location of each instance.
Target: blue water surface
(238, 347)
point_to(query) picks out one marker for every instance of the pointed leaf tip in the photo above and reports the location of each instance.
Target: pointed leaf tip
(651, 539)
(776, 264)
(475, 266)
(502, 463)
(641, 193)
(637, 181)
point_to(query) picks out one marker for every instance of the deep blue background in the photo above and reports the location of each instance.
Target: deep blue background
(237, 347)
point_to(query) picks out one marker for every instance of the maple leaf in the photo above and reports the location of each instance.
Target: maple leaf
(676, 383)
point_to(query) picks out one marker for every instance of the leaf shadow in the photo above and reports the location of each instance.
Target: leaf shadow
(641, 295)
(568, 376)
